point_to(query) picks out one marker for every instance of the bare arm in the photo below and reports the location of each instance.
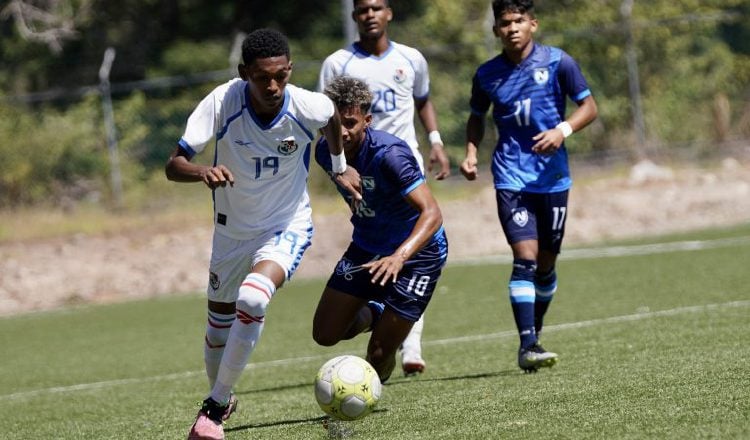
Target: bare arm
(474, 136)
(180, 169)
(349, 179)
(547, 142)
(428, 117)
(428, 223)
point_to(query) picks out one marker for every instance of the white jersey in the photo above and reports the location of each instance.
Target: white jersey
(270, 162)
(394, 78)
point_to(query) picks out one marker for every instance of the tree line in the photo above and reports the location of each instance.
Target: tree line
(693, 63)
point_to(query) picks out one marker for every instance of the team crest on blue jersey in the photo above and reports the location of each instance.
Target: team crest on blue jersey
(368, 183)
(400, 75)
(287, 146)
(541, 76)
(520, 217)
(213, 280)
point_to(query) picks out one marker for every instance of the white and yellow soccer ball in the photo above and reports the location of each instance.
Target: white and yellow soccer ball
(347, 387)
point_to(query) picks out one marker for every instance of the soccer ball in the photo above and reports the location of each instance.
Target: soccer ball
(347, 387)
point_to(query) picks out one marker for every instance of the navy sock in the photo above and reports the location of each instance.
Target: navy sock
(522, 298)
(546, 286)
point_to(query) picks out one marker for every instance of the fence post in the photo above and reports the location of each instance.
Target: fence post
(348, 25)
(626, 9)
(109, 123)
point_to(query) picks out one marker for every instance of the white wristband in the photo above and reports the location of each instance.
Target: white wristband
(338, 163)
(434, 137)
(566, 129)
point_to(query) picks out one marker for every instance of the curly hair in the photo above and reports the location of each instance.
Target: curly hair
(264, 43)
(346, 91)
(499, 7)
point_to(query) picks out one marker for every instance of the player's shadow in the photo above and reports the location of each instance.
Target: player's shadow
(320, 419)
(309, 420)
(408, 380)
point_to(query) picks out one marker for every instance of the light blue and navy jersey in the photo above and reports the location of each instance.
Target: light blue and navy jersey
(527, 99)
(389, 172)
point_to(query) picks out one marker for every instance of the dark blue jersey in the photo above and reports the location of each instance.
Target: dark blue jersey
(527, 99)
(389, 172)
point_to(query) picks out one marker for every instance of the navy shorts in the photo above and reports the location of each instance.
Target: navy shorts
(413, 288)
(533, 216)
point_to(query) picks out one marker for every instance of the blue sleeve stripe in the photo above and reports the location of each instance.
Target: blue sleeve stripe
(412, 187)
(581, 96)
(187, 148)
(307, 132)
(229, 120)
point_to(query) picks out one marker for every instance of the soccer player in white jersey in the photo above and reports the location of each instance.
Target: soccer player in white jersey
(398, 78)
(262, 128)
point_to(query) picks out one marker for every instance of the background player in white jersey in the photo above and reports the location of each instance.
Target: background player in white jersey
(262, 127)
(399, 80)
(398, 246)
(528, 85)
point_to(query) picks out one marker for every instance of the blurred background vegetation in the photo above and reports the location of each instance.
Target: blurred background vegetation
(693, 64)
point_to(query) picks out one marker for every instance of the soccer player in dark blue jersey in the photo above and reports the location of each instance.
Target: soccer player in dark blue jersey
(528, 85)
(386, 277)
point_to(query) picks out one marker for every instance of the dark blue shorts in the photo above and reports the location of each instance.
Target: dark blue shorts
(413, 288)
(533, 216)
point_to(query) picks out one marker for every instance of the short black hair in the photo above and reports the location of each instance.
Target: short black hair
(264, 43)
(346, 91)
(499, 7)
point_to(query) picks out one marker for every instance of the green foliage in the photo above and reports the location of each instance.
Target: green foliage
(50, 154)
(691, 55)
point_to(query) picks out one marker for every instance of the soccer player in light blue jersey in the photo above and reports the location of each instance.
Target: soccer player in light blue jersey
(262, 129)
(527, 86)
(386, 277)
(399, 79)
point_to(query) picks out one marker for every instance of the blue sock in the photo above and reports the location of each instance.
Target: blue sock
(522, 298)
(546, 286)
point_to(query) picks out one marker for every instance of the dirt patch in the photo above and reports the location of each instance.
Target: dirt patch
(650, 201)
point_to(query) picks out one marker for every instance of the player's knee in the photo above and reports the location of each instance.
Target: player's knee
(323, 337)
(254, 295)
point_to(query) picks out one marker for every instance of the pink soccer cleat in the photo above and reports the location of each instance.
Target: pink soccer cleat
(209, 424)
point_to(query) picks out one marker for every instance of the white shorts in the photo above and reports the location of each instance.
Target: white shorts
(232, 259)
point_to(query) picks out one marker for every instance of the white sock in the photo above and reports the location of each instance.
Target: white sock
(217, 332)
(254, 295)
(412, 346)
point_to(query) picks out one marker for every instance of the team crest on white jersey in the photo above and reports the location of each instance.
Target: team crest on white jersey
(400, 75)
(368, 183)
(520, 217)
(541, 76)
(288, 146)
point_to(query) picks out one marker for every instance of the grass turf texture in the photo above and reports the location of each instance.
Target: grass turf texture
(651, 347)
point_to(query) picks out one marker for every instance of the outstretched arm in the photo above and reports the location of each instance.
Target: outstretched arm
(429, 221)
(427, 115)
(349, 178)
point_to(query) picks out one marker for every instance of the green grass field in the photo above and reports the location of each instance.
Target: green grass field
(652, 338)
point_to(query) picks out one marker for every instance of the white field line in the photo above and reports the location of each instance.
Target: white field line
(620, 251)
(462, 339)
